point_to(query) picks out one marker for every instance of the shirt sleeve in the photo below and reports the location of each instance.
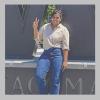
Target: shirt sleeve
(65, 41)
(41, 29)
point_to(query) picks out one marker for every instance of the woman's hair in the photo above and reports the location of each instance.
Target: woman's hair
(56, 11)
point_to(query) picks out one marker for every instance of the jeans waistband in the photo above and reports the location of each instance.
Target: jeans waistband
(52, 48)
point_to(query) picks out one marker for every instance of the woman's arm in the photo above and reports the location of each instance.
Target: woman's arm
(65, 47)
(36, 33)
(65, 59)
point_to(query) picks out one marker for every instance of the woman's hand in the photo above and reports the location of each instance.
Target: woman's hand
(35, 23)
(35, 28)
(64, 65)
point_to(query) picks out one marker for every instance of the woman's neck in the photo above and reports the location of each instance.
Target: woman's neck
(53, 26)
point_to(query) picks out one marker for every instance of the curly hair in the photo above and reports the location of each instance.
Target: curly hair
(57, 11)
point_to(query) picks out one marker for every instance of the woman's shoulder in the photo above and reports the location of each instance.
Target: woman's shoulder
(46, 25)
(64, 27)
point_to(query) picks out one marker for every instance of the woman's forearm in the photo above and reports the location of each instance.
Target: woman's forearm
(36, 34)
(65, 55)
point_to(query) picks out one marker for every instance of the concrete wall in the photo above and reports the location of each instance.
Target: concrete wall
(73, 81)
(81, 19)
(20, 78)
(19, 38)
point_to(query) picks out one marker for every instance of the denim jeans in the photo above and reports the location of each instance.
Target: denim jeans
(51, 58)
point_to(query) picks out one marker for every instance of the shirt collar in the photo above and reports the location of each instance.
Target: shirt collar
(57, 26)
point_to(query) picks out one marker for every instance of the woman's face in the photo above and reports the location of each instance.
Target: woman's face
(55, 20)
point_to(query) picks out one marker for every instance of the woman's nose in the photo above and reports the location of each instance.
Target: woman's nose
(54, 19)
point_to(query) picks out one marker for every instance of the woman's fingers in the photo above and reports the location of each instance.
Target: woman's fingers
(35, 23)
(36, 20)
(64, 65)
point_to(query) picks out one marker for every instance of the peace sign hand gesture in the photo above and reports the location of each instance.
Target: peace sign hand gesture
(35, 23)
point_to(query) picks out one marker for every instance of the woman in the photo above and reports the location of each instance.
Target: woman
(55, 55)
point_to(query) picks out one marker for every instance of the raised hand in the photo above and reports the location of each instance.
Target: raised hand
(35, 23)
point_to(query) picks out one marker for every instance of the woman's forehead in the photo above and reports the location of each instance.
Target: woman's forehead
(56, 15)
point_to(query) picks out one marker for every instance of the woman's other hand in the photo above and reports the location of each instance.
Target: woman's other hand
(64, 65)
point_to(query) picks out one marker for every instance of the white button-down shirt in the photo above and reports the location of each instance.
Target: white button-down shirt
(57, 37)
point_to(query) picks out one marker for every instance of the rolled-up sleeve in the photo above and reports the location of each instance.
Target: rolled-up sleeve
(65, 40)
(41, 29)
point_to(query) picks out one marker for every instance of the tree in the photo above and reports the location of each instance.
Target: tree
(47, 13)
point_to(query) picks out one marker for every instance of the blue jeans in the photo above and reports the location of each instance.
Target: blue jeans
(51, 58)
